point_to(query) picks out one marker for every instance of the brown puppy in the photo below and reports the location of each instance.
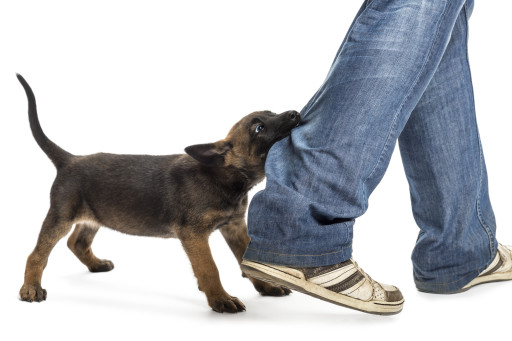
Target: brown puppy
(181, 196)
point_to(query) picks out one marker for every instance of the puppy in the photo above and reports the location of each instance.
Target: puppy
(185, 196)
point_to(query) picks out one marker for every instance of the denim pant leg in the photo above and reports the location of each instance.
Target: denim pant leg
(319, 179)
(444, 164)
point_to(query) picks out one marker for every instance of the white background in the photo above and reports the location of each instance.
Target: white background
(152, 77)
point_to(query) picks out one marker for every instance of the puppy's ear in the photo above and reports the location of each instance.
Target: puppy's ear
(209, 154)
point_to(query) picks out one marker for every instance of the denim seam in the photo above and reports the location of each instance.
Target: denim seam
(393, 126)
(478, 209)
(369, 3)
(480, 150)
(287, 254)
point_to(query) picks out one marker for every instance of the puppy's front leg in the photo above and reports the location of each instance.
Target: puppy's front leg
(235, 234)
(198, 251)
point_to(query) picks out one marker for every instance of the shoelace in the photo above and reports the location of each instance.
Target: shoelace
(362, 271)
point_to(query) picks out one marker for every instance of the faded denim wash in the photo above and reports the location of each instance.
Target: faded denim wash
(402, 73)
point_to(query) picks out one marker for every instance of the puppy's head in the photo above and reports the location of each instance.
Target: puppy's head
(248, 142)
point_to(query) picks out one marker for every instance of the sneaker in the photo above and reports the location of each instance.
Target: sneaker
(345, 284)
(499, 270)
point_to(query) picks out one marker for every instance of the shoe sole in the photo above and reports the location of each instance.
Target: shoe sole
(274, 276)
(496, 277)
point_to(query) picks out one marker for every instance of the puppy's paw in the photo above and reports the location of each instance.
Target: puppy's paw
(32, 293)
(267, 289)
(228, 304)
(102, 265)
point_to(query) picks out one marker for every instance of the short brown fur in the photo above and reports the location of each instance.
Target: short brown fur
(185, 196)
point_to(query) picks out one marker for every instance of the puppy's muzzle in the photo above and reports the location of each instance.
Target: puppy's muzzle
(294, 116)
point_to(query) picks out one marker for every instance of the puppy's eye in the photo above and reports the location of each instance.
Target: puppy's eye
(259, 128)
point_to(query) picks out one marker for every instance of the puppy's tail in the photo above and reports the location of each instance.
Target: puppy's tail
(57, 155)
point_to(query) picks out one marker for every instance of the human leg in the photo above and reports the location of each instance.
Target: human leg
(444, 164)
(319, 180)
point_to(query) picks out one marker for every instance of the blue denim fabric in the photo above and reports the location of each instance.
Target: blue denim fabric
(402, 73)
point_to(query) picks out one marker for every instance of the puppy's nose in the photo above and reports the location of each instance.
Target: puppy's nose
(294, 115)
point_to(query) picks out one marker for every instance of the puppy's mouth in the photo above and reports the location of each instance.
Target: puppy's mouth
(294, 122)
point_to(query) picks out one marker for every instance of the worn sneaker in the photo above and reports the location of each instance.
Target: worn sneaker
(499, 270)
(345, 284)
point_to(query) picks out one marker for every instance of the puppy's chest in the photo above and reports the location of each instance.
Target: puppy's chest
(208, 222)
(213, 218)
(208, 218)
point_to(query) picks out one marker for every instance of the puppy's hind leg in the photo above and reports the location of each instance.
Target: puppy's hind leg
(80, 244)
(235, 234)
(54, 228)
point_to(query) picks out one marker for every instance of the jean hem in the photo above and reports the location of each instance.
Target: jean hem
(448, 286)
(298, 260)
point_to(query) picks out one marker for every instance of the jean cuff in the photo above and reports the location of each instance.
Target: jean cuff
(297, 260)
(446, 286)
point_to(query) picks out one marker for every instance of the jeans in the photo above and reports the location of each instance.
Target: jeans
(402, 73)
